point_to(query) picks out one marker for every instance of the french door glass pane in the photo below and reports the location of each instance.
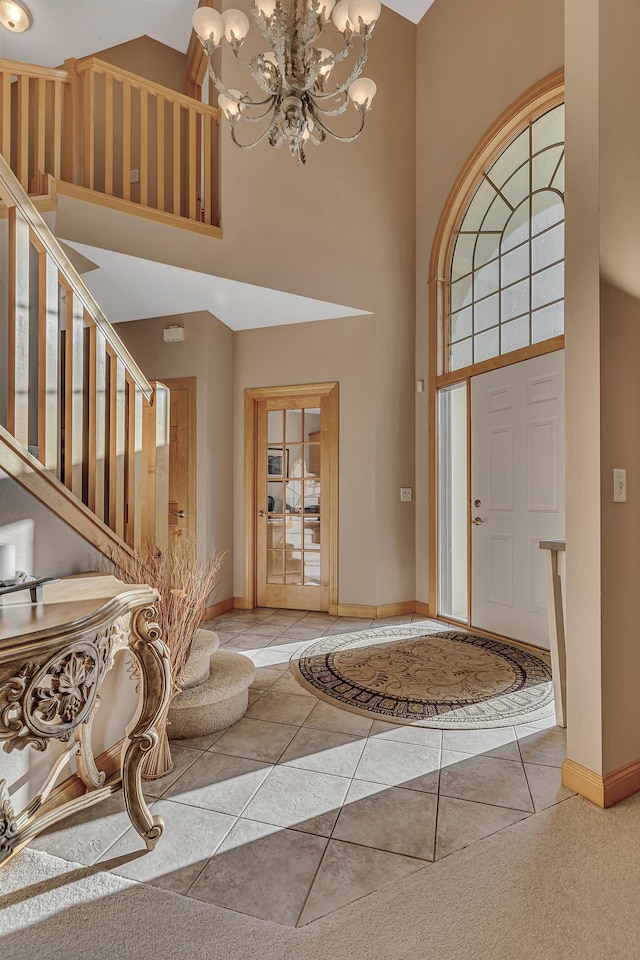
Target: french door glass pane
(274, 426)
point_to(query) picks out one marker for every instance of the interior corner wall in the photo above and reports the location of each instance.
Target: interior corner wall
(473, 60)
(150, 59)
(325, 351)
(45, 545)
(206, 354)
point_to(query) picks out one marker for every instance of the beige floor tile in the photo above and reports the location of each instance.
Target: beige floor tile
(266, 628)
(281, 707)
(485, 780)
(255, 740)
(266, 676)
(262, 871)
(252, 696)
(287, 683)
(190, 838)
(327, 717)
(461, 822)
(296, 798)
(83, 837)
(324, 752)
(548, 747)
(272, 656)
(298, 632)
(349, 872)
(426, 736)
(219, 782)
(182, 756)
(247, 641)
(500, 742)
(389, 818)
(198, 743)
(285, 618)
(545, 784)
(400, 765)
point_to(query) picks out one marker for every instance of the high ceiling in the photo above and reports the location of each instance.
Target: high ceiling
(78, 28)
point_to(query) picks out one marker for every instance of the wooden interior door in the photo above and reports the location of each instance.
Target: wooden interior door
(296, 486)
(182, 458)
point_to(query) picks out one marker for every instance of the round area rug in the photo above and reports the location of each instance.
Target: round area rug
(446, 679)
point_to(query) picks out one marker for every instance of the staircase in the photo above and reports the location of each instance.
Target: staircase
(81, 427)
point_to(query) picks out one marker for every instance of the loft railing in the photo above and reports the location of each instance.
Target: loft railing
(110, 136)
(75, 408)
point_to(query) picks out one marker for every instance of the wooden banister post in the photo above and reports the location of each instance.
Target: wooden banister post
(73, 166)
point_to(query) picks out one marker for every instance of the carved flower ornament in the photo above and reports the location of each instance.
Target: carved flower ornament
(68, 689)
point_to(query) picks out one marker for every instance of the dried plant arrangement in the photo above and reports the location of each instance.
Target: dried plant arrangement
(185, 586)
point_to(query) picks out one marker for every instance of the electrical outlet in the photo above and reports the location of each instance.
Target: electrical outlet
(134, 176)
(619, 485)
(406, 494)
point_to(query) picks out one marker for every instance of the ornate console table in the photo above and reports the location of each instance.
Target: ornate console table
(54, 656)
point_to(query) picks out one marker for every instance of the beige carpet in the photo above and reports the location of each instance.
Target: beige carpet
(447, 679)
(563, 885)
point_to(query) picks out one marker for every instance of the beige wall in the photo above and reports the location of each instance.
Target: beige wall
(150, 59)
(206, 354)
(603, 346)
(341, 229)
(474, 59)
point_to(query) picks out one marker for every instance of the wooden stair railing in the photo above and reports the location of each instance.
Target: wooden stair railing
(111, 137)
(80, 425)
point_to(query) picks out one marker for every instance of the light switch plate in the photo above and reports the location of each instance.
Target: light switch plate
(619, 485)
(406, 494)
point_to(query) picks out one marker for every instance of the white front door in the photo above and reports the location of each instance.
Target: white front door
(517, 493)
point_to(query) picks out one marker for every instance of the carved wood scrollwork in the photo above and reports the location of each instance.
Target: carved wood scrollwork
(49, 700)
(56, 697)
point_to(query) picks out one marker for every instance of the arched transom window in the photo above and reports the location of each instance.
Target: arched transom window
(507, 268)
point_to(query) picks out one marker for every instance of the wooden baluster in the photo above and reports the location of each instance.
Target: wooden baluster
(18, 328)
(160, 112)
(177, 152)
(108, 134)
(116, 443)
(73, 390)
(207, 200)
(126, 140)
(41, 141)
(97, 420)
(144, 147)
(192, 157)
(5, 105)
(23, 131)
(133, 464)
(73, 126)
(48, 349)
(57, 129)
(89, 128)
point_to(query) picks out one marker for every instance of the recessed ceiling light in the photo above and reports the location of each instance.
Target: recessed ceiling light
(14, 16)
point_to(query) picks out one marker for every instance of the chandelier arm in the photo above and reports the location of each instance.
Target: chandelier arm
(355, 73)
(330, 132)
(219, 85)
(336, 112)
(265, 133)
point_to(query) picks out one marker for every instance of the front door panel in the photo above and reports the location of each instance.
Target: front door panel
(517, 493)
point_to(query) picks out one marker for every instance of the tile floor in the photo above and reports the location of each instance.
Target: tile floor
(300, 807)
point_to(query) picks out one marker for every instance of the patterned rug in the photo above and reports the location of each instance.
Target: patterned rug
(446, 679)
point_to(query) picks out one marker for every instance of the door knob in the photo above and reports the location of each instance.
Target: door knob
(177, 513)
(262, 513)
(477, 521)
(477, 503)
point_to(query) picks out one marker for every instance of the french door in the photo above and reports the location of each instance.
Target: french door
(295, 500)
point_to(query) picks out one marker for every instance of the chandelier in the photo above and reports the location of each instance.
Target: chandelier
(299, 101)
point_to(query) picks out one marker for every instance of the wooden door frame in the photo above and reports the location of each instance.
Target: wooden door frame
(251, 397)
(190, 384)
(542, 96)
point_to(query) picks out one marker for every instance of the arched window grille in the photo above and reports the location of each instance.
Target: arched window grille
(507, 268)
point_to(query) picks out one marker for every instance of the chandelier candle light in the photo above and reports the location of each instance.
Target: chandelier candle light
(295, 73)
